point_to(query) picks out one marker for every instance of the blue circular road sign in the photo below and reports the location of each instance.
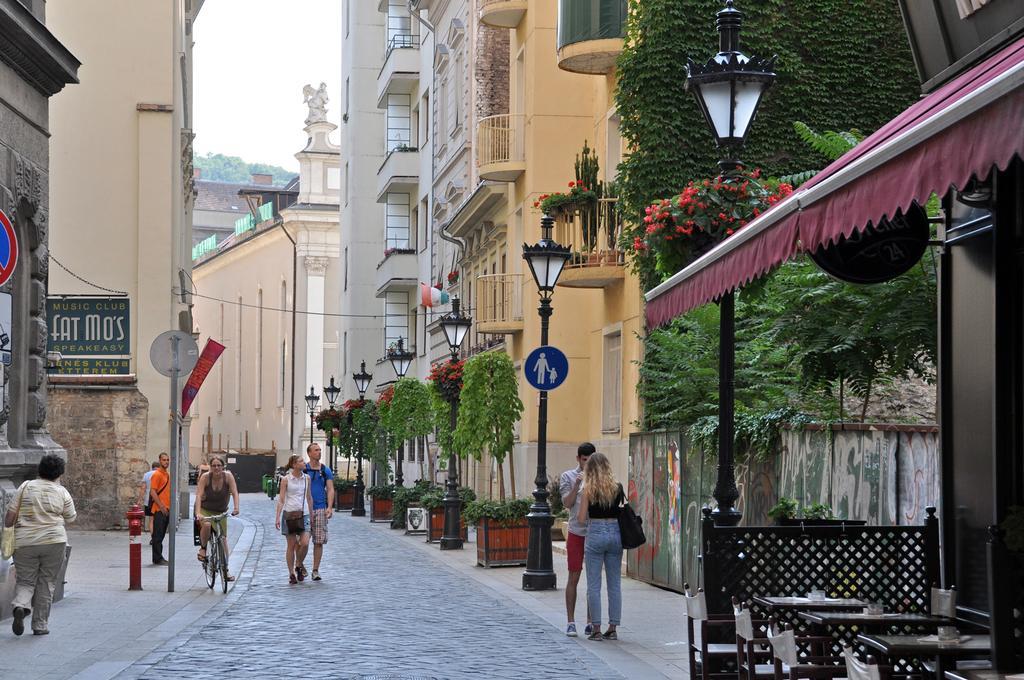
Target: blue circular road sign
(546, 368)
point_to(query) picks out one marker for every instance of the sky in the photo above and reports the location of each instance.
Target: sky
(252, 58)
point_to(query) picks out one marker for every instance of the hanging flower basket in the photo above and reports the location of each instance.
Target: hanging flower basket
(559, 204)
(329, 419)
(678, 230)
(447, 378)
(453, 277)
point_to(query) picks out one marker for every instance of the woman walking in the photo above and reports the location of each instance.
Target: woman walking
(38, 514)
(292, 519)
(602, 501)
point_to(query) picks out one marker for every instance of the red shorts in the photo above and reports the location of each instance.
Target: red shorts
(574, 550)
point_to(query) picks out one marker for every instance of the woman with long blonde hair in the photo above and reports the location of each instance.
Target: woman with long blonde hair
(599, 510)
(292, 519)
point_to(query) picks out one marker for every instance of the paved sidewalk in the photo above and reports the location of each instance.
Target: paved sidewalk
(101, 628)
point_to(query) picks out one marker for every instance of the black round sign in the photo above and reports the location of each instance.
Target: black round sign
(880, 252)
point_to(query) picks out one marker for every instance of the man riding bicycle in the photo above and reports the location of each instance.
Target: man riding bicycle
(212, 494)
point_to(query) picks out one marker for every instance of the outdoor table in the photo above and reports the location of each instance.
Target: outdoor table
(806, 603)
(982, 675)
(912, 646)
(862, 620)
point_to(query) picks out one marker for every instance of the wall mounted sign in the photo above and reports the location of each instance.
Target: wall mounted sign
(8, 248)
(546, 368)
(92, 366)
(880, 252)
(89, 326)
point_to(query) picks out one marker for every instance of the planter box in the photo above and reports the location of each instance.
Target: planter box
(795, 522)
(500, 545)
(345, 499)
(435, 529)
(560, 530)
(380, 509)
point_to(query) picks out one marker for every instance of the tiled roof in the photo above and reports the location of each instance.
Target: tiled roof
(223, 196)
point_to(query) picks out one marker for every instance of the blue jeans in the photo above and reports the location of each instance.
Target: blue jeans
(604, 547)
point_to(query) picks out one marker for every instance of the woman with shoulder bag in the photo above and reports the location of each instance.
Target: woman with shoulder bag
(599, 510)
(291, 517)
(38, 514)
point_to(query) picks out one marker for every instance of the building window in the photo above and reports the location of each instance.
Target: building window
(258, 393)
(424, 119)
(344, 353)
(396, 318)
(611, 408)
(348, 15)
(399, 122)
(397, 222)
(456, 114)
(238, 355)
(345, 275)
(614, 154)
(423, 224)
(399, 20)
(348, 89)
(346, 183)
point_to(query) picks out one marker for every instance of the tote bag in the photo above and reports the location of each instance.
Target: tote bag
(7, 543)
(631, 528)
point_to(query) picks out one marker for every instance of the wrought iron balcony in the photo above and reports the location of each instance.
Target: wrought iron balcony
(590, 34)
(499, 304)
(592, 231)
(501, 148)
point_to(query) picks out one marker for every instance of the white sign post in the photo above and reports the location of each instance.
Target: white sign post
(173, 353)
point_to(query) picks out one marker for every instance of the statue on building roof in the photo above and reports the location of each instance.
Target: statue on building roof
(316, 100)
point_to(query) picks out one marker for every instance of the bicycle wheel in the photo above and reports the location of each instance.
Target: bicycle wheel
(211, 565)
(222, 560)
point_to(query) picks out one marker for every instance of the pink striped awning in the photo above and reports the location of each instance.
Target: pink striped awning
(961, 130)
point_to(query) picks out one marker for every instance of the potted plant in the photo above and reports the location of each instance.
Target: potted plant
(784, 510)
(344, 493)
(502, 532)
(433, 501)
(560, 529)
(407, 497)
(382, 499)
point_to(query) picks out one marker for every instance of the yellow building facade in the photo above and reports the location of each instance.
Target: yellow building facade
(561, 96)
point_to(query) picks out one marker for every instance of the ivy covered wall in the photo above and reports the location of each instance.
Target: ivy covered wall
(841, 65)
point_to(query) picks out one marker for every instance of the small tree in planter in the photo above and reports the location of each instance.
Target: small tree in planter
(445, 382)
(489, 409)
(503, 534)
(344, 493)
(382, 499)
(406, 415)
(433, 501)
(784, 510)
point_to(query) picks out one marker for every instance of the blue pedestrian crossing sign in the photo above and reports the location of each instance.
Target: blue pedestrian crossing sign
(546, 368)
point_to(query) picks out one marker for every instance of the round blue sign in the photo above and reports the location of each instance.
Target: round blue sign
(8, 248)
(546, 368)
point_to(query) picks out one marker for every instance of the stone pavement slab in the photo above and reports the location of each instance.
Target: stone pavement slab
(101, 628)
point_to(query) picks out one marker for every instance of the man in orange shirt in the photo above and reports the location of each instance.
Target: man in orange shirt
(160, 494)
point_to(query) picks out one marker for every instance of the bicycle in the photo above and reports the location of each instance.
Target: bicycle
(216, 553)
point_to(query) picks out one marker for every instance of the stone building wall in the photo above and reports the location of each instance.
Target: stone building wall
(103, 430)
(490, 71)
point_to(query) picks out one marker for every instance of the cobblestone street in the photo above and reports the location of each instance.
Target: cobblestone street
(384, 609)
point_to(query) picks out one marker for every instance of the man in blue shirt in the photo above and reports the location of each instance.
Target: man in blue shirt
(321, 488)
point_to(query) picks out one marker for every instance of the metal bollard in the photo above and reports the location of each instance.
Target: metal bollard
(135, 517)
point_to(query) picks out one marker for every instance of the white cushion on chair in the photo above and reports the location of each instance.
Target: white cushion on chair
(784, 646)
(943, 602)
(857, 669)
(744, 626)
(696, 607)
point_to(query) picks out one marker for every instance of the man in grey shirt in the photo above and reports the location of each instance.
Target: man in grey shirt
(569, 484)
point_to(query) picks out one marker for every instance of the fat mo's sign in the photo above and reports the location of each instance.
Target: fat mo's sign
(89, 326)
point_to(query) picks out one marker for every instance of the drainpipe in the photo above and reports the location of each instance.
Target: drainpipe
(295, 274)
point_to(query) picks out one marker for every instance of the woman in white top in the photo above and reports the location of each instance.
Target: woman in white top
(40, 509)
(294, 499)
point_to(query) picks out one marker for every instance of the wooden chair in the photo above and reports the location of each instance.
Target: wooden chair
(702, 652)
(795, 657)
(753, 655)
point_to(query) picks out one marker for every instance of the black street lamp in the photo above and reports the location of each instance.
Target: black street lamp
(362, 380)
(401, 360)
(455, 327)
(331, 392)
(729, 88)
(546, 259)
(312, 399)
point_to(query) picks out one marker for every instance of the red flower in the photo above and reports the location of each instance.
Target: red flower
(572, 184)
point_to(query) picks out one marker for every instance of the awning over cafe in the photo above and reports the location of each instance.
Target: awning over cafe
(961, 130)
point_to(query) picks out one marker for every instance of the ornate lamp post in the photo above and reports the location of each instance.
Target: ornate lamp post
(455, 327)
(312, 399)
(362, 380)
(331, 392)
(728, 88)
(401, 360)
(546, 259)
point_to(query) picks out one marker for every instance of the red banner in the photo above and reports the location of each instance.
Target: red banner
(211, 352)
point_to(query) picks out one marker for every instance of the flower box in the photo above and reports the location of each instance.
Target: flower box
(380, 509)
(436, 528)
(502, 545)
(344, 500)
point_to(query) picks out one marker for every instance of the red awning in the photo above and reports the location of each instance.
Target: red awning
(961, 130)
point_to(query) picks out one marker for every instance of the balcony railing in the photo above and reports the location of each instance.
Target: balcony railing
(207, 245)
(499, 303)
(500, 149)
(265, 212)
(402, 41)
(592, 231)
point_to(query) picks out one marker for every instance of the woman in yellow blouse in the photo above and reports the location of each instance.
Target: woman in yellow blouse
(40, 509)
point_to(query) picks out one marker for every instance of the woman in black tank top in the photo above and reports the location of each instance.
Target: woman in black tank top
(602, 502)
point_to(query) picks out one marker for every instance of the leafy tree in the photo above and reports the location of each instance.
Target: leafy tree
(489, 409)
(408, 415)
(220, 168)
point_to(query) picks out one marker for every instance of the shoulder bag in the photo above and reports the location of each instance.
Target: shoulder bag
(295, 519)
(7, 533)
(631, 528)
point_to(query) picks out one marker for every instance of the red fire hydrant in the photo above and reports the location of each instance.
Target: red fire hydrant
(135, 516)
